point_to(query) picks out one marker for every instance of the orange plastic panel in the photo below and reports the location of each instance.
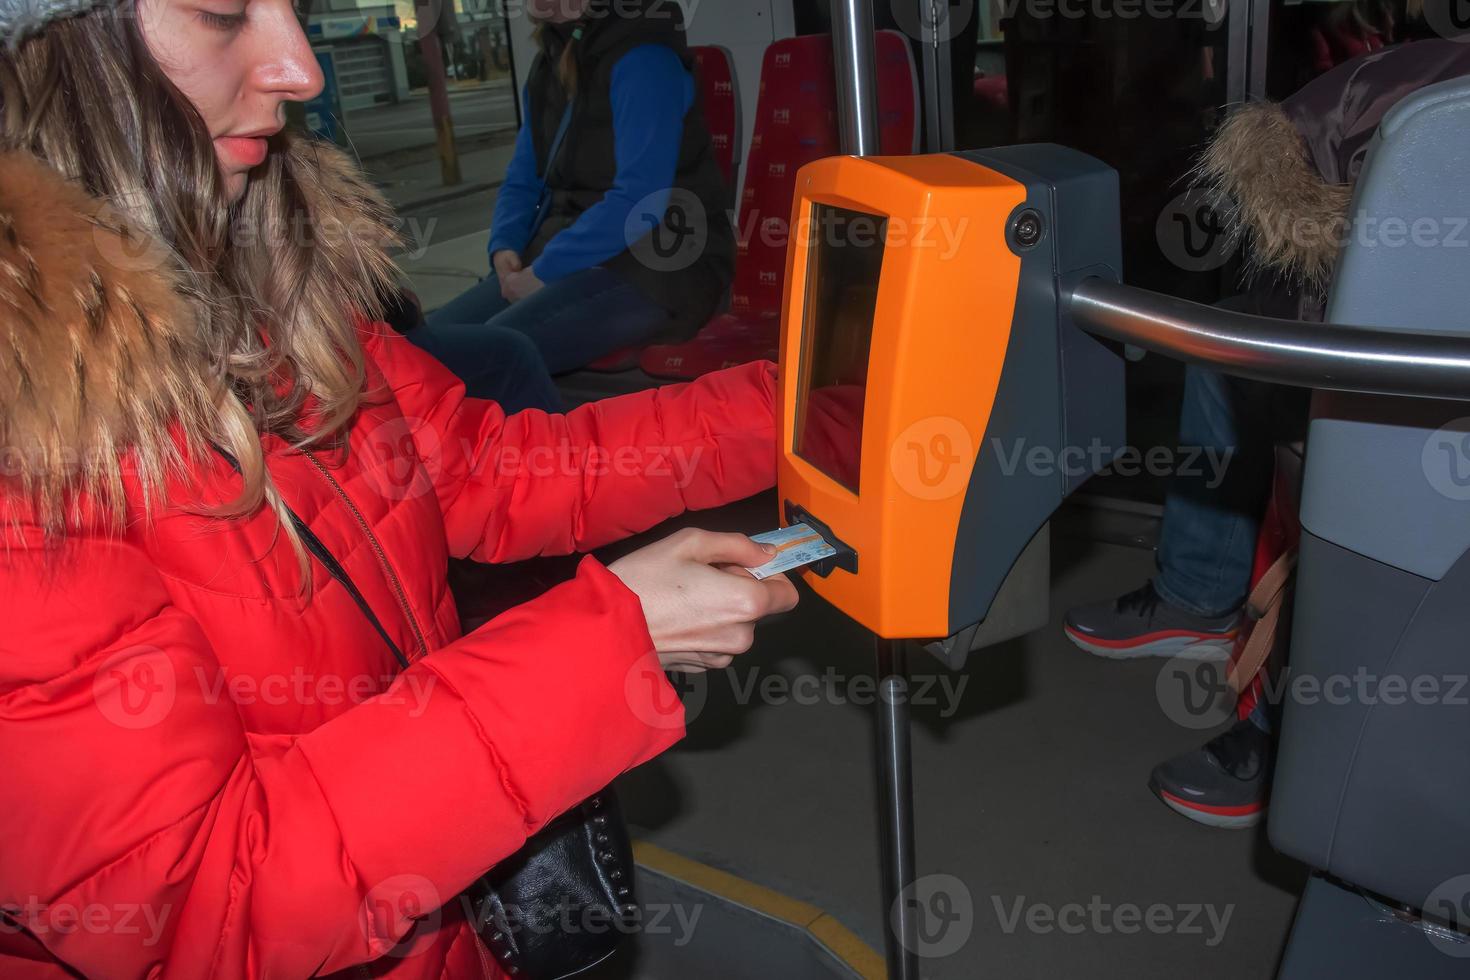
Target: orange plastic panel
(945, 300)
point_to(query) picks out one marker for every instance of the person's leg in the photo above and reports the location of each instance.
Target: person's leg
(1207, 543)
(1208, 536)
(494, 363)
(478, 304)
(587, 315)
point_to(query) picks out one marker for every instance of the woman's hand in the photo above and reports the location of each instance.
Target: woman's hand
(700, 602)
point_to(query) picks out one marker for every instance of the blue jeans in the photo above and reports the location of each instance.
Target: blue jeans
(572, 321)
(1212, 510)
(494, 363)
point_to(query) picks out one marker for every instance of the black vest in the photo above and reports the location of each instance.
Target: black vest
(685, 265)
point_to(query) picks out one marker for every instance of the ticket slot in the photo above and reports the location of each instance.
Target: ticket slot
(845, 559)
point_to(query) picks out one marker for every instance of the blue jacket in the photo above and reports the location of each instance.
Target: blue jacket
(651, 93)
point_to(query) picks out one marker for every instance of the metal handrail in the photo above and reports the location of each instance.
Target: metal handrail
(857, 87)
(1291, 352)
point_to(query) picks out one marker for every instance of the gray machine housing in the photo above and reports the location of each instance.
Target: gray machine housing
(1060, 400)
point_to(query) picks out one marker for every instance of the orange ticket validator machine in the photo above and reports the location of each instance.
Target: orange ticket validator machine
(937, 405)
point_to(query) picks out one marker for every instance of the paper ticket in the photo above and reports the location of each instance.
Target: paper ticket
(796, 546)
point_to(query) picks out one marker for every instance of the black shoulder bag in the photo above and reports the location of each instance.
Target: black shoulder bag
(563, 902)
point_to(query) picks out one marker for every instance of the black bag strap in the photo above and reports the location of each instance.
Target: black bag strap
(551, 157)
(557, 140)
(334, 568)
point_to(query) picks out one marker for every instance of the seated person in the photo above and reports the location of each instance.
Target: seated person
(610, 230)
(1289, 170)
(511, 373)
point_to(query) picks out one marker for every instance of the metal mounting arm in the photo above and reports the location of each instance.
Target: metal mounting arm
(1291, 352)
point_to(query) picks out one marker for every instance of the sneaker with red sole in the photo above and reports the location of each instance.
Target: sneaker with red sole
(1141, 624)
(1221, 784)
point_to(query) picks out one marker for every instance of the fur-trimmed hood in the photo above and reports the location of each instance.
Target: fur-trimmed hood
(1285, 171)
(104, 366)
(1273, 199)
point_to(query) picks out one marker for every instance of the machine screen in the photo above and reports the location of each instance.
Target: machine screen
(844, 259)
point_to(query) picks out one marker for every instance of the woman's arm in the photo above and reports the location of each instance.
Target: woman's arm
(651, 94)
(132, 788)
(515, 205)
(531, 483)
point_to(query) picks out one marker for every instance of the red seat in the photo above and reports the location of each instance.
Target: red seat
(796, 123)
(993, 91)
(714, 74)
(714, 70)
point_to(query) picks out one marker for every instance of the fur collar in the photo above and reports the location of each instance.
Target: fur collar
(104, 370)
(1274, 197)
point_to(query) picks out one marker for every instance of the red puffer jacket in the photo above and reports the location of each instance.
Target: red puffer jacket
(207, 774)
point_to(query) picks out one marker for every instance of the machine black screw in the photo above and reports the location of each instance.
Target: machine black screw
(1027, 228)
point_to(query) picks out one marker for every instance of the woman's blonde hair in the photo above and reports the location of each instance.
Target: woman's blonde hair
(273, 282)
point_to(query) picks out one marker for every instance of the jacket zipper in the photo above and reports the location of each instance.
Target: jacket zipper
(484, 953)
(393, 580)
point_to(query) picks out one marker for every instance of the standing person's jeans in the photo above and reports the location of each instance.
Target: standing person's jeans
(573, 321)
(1212, 513)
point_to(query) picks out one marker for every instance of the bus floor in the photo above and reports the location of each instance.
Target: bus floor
(1030, 771)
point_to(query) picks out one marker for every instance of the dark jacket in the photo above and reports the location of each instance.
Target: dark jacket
(687, 263)
(1286, 171)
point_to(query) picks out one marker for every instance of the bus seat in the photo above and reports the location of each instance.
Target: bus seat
(796, 123)
(714, 69)
(1372, 788)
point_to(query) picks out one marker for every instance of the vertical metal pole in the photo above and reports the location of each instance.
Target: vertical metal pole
(938, 79)
(1248, 49)
(896, 808)
(429, 45)
(1260, 48)
(857, 88)
(1237, 52)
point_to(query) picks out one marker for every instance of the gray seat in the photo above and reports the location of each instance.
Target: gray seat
(1372, 785)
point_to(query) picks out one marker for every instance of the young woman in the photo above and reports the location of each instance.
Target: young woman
(214, 766)
(616, 232)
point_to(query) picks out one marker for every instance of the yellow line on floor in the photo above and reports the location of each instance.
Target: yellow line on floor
(861, 958)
